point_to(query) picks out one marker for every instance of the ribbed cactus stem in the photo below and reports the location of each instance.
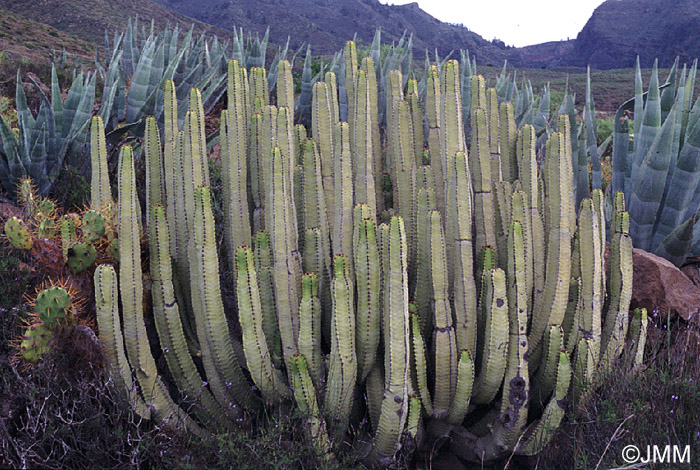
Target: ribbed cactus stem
(637, 338)
(551, 306)
(591, 272)
(494, 131)
(394, 406)
(258, 85)
(100, 191)
(372, 94)
(619, 291)
(351, 78)
(258, 358)
(285, 87)
(446, 355)
(363, 136)
(433, 104)
(480, 169)
(264, 268)
(426, 203)
(342, 364)
(414, 107)
(420, 369)
(508, 135)
(138, 349)
(310, 328)
(155, 175)
(341, 234)
(111, 338)
(491, 358)
(465, 381)
(287, 262)
(322, 130)
(305, 396)
(463, 282)
(540, 432)
(368, 280)
(224, 374)
(234, 164)
(169, 326)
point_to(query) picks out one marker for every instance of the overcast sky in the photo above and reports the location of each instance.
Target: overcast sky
(515, 22)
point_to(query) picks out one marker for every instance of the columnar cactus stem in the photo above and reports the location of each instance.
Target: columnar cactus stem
(492, 357)
(619, 291)
(264, 268)
(508, 138)
(218, 357)
(169, 326)
(100, 192)
(550, 307)
(451, 142)
(287, 262)
(234, 145)
(394, 406)
(305, 396)
(351, 78)
(310, 328)
(423, 292)
(322, 130)
(591, 272)
(493, 130)
(372, 92)
(138, 350)
(480, 169)
(363, 146)
(433, 104)
(419, 364)
(111, 338)
(341, 234)
(367, 275)
(250, 314)
(155, 175)
(446, 355)
(342, 364)
(258, 85)
(540, 432)
(416, 119)
(465, 381)
(463, 282)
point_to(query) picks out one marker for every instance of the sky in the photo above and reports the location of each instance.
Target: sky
(515, 22)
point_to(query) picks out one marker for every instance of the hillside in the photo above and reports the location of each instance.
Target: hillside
(328, 24)
(88, 19)
(23, 38)
(619, 30)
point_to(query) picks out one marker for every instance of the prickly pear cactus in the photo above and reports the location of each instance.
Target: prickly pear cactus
(18, 234)
(46, 208)
(93, 226)
(53, 306)
(46, 228)
(80, 257)
(36, 342)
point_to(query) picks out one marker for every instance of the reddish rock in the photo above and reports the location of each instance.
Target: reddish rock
(661, 286)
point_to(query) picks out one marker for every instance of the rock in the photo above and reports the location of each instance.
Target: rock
(661, 286)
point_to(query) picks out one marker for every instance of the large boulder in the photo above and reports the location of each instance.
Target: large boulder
(662, 287)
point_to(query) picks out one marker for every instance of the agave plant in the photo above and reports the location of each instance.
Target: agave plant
(659, 171)
(42, 144)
